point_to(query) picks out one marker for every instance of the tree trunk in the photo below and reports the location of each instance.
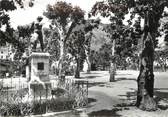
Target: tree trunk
(77, 70)
(112, 64)
(61, 72)
(165, 67)
(112, 72)
(89, 64)
(87, 52)
(145, 79)
(162, 67)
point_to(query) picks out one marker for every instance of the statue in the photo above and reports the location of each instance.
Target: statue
(37, 35)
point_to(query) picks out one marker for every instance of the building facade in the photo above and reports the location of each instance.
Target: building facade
(5, 52)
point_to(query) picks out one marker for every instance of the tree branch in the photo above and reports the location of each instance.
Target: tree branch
(69, 31)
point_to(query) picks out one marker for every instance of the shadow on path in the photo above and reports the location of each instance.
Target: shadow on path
(89, 77)
(91, 84)
(120, 79)
(105, 113)
(130, 95)
(162, 95)
(122, 74)
(90, 100)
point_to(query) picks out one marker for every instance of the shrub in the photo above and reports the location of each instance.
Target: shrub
(15, 109)
(53, 105)
(35, 107)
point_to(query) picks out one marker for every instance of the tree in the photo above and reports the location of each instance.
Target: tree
(118, 35)
(79, 44)
(87, 46)
(91, 26)
(151, 11)
(62, 15)
(6, 35)
(104, 54)
(124, 48)
(24, 34)
(94, 39)
(116, 29)
(76, 48)
(161, 57)
(162, 51)
(51, 43)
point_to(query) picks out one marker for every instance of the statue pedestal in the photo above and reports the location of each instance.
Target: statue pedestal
(40, 85)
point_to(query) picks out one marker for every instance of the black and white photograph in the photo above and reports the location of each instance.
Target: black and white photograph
(83, 58)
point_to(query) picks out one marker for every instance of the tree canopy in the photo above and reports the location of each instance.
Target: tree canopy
(6, 30)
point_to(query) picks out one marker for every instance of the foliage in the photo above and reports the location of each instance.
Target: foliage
(51, 42)
(164, 28)
(76, 46)
(125, 45)
(36, 107)
(76, 42)
(65, 96)
(104, 55)
(119, 8)
(11, 104)
(15, 109)
(129, 38)
(64, 17)
(161, 57)
(63, 13)
(54, 105)
(7, 34)
(25, 31)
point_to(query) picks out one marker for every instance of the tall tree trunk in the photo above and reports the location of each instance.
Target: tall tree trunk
(165, 66)
(89, 63)
(88, 51)
(112, 64)
(145, 79)
(112, 72)
(88, 60)
(77, 70)
(61, 73)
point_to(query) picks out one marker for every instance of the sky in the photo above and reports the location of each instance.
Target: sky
(28, 15)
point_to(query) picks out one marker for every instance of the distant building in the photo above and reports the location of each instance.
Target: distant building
(6, 52)
(6, 58)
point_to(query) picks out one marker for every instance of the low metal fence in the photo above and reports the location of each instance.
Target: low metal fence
(69, 93)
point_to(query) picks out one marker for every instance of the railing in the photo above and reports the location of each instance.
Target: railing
(70, 91)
